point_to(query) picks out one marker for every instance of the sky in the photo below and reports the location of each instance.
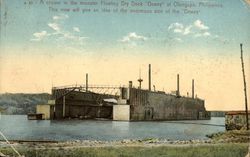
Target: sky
(41, 47)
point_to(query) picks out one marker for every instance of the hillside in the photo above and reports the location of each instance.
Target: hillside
(20, 103)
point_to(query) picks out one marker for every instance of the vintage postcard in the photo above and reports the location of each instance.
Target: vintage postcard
(124, 78)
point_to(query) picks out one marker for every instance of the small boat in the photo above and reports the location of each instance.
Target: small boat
(35, 116)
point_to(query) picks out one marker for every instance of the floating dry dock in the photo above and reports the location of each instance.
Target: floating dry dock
(128, 103)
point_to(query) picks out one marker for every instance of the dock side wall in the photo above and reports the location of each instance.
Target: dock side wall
(148, 105)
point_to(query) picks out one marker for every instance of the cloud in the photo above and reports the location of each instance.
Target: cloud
(187, 30)
(132, 39)
(72, 37)
(177, 30)
(57, 22)
(176, 26)
(180, 28)
(54, 26)
(60, 17)
(221, 39)
(205, 34)
(58, 33)
(200, 25)
(178, 39)
(76, 29)
(196, 29)
(40, 35)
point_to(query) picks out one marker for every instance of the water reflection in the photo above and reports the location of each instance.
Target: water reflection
(120, 127)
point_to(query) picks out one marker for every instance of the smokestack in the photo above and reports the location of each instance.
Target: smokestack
(149, 77)
(130, 84)
(178, 86)
(193, 88)
(87, 82)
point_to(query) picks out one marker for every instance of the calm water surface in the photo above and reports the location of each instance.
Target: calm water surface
(17, 127)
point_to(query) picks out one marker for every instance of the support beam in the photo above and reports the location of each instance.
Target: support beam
(64, 106)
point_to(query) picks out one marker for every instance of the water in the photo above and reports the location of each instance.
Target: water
(17, 127)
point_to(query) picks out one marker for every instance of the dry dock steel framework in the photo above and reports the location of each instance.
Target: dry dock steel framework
(122, 103)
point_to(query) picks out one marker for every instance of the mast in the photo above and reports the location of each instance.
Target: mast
(245, 88)
(140, 79)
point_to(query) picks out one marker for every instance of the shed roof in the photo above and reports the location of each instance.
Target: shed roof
(237, 112)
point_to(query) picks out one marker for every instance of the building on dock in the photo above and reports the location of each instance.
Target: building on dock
(236, 120)
(47, 110)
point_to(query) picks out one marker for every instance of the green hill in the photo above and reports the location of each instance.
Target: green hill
(20, 103)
